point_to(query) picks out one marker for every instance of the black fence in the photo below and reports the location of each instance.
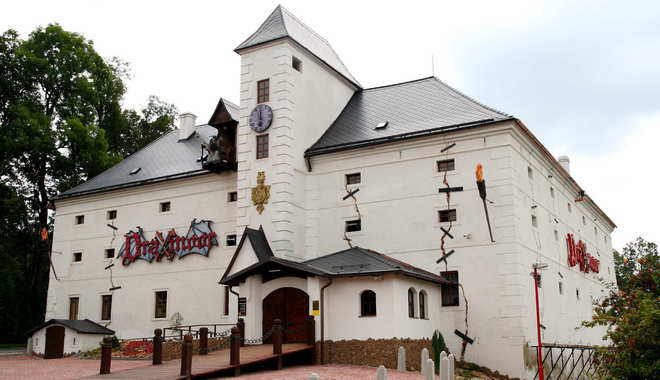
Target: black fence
(563, 361)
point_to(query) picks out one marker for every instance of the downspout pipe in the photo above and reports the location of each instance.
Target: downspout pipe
(323, 319)
(231, 290)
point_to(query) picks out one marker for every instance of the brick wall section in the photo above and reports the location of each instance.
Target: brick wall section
(374, 352)
(172, 348)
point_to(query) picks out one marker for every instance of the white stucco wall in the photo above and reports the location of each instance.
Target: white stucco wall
(73, 341)
(188, 281)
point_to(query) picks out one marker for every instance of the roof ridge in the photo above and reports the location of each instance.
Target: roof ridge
(469, 97)
(397, 84)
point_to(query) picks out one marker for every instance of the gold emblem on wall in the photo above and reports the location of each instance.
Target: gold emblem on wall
(261, 192)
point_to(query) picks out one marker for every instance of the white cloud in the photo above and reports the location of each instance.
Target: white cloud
(625, 182)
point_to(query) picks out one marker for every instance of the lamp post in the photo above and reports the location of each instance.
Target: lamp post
(539, 349)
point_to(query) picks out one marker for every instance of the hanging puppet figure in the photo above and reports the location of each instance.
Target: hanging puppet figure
(481, 185)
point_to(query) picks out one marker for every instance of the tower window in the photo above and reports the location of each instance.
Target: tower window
(263, 90)
(231, 240)
(296, 64)
(77, 257)
(552, 192)
(80, 219)
(530, 173)
(445, 216)
(446, 165)
(570, 209)
(232, 196)
(535, 221)
(262, 146)
(73, 308)
(353, 179)
(112, 214)
(561, 287)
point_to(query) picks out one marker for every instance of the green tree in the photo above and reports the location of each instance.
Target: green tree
(631, 314)
(61, 122)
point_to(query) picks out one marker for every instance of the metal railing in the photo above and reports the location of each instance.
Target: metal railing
(216, 330)
(565, 361)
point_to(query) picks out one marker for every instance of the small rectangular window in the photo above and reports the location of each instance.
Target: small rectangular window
(450, 296)
(446, 165)
(106, 307)
(77, 257)
(535, 221)
(165, 206)
(296, 63)
(73, 308)
(263, 90)
(109, 253)
(112, 214)
(552, 192)
(445, 216)
(570, 209)
(232, 196)
(595, 231)
(577, 293)
(160, 310)
(231, 240)
(584, 221)
(556, 235)
(530, 173)
(80, 219)
(353, 225)
(353, 178)
(262, 146)
(561, 288)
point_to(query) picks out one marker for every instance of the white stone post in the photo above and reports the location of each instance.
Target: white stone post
(401, 359)
(314, 376)
(429, 373)
(425, 357)
(450, 360)
(444, 365)
(381, 373)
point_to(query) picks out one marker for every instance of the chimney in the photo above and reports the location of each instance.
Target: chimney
(186, 125)
(565, 163)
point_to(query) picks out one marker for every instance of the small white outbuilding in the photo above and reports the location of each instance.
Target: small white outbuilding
(57, 338)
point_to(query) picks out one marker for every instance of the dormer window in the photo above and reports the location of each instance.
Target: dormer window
(296, 64)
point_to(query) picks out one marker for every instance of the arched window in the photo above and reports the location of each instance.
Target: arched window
(368, 303)
(411, 303)
(422, 305)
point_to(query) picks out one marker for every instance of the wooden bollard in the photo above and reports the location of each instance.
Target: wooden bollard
(203, 341)
(106, 355)
(235, 350)
(277, 341)
(241, 327)
(157, 357)
(186, 356)
(311, 330)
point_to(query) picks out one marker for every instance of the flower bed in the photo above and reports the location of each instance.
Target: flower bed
(134, 349)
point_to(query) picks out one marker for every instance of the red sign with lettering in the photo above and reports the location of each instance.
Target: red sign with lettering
(577, 254)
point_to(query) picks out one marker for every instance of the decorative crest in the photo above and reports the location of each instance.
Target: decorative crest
(261, 192)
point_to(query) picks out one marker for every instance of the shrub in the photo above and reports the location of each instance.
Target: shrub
(438, 344)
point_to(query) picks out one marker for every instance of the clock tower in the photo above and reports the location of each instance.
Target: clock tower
(292, 87)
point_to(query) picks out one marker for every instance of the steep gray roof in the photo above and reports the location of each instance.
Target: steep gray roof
(84, 326)
(281, 24)
(411, 109)
(163, 159)
(358, 261)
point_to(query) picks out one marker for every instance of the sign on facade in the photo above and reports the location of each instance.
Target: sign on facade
(242, 306)
(199, 239)
(577, 254)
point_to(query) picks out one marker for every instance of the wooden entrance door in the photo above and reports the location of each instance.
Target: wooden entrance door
(291, 306)
(54, 342)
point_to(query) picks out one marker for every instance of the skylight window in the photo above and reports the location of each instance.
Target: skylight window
(135, 171)
(382, 125)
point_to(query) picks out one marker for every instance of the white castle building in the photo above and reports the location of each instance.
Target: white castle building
(316, 196)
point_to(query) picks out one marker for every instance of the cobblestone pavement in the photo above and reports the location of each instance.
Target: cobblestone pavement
(328, 372)
(29, 367)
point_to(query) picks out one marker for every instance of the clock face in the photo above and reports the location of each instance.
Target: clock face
(261, 117)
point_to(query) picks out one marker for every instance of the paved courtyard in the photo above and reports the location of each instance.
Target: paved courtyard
(28, 367)
(25, 367)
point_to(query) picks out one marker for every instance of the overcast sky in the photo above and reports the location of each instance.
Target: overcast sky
(583, 76)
